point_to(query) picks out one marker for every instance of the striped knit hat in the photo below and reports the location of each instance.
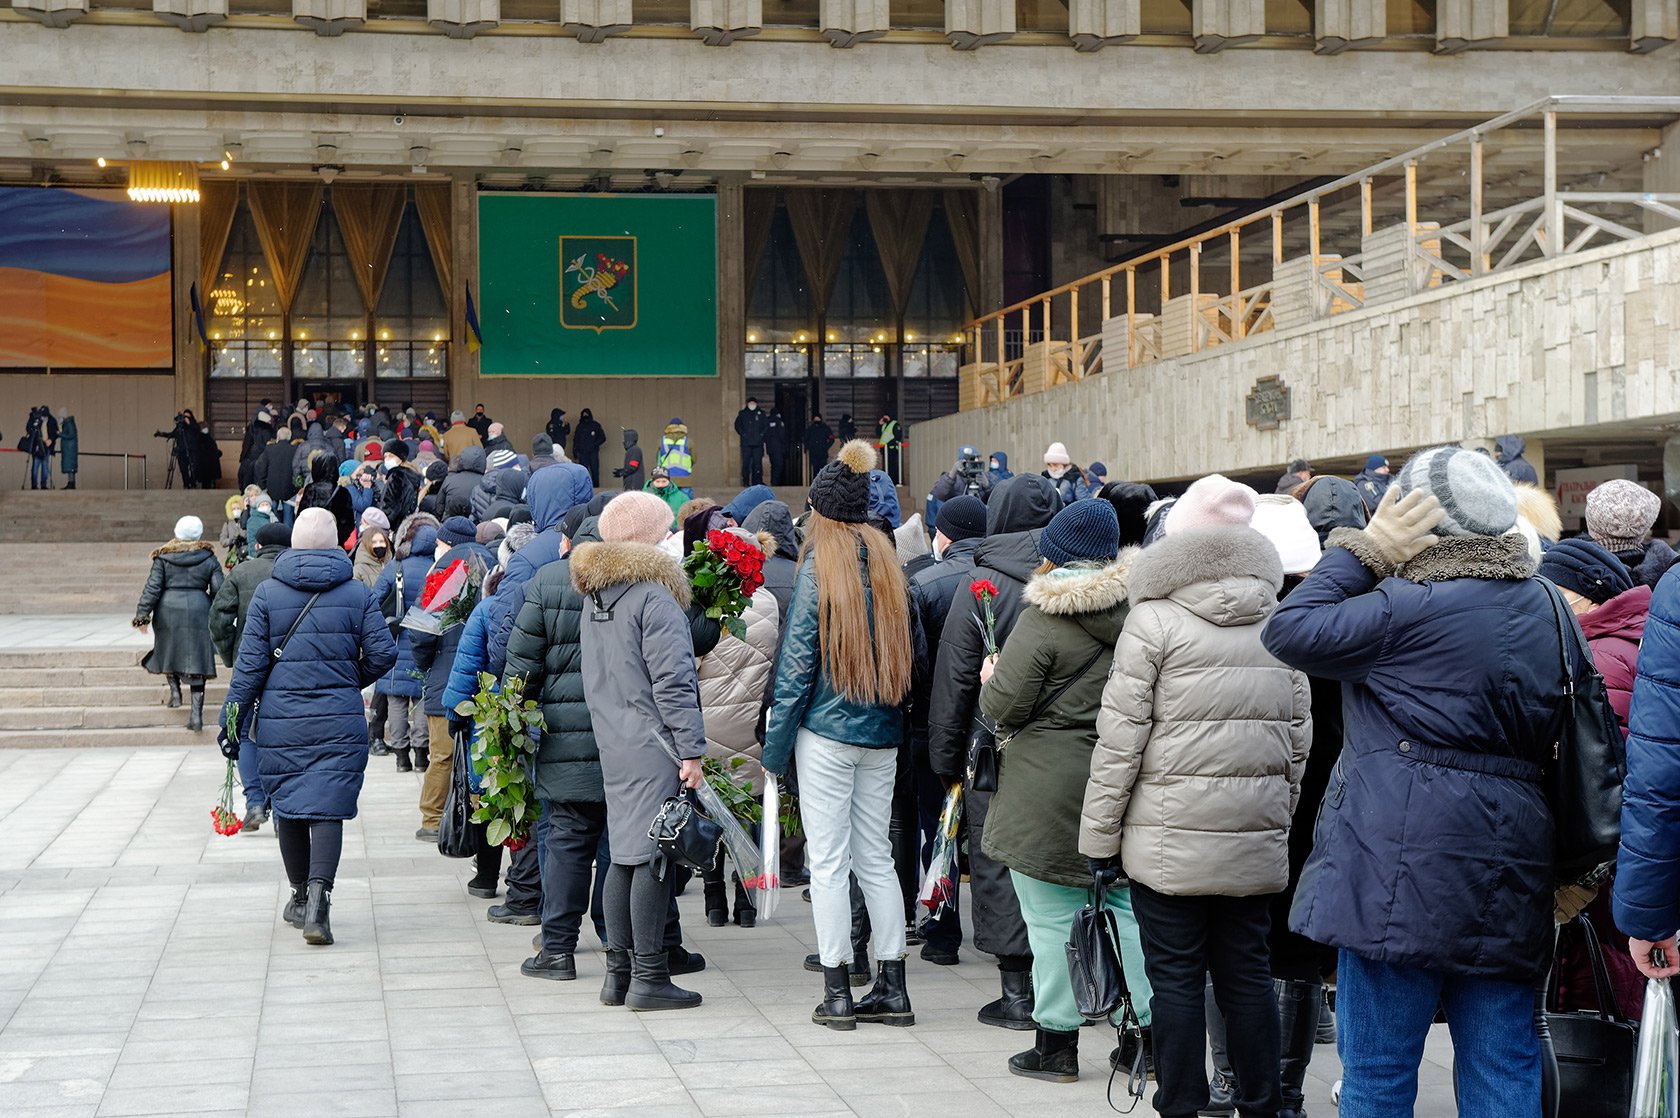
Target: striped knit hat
(1478, 498)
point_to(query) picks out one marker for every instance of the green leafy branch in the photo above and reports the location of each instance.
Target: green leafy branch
(508, 804)
(734, 788)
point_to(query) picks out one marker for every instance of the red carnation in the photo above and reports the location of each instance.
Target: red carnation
(983, 588)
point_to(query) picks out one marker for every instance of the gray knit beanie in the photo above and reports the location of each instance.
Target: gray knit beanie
(1478, 498)
(1621, 514)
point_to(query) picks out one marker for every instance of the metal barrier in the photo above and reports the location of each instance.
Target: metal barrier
(145, 468)
(1319, 257)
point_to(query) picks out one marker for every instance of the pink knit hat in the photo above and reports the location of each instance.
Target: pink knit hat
(1212, 502)
(635, 517)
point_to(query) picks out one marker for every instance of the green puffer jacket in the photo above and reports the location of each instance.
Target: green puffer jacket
(1072, 614)
(233, 601)
(545, 648)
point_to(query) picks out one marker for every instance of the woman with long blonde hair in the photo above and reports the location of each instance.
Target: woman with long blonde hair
(841, 684)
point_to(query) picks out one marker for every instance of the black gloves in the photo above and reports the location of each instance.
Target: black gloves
(1106, 872)
(618, 473)
(460, 727)
(228, 746)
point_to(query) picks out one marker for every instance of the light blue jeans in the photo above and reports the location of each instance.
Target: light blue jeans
(845, 802)
(1383, 1014)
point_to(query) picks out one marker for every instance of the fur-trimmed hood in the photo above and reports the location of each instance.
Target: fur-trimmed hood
(1228, 576)
(1494, 557)
(1070, 591)
(597, 566)
(183, 547)
(408, 539)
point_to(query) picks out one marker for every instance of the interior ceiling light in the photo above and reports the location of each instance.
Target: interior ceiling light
(166, 181)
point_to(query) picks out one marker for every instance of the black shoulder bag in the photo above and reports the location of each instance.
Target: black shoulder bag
(1595, 1051)
(392, 606)
(1584, 781)
(985, 760)
(1100, 991)
(279, 650)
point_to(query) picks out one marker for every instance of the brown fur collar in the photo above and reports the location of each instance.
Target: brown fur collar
(596, 566)
(1174, 562)
(176, 547)
(1491, 557)
(1073, 591)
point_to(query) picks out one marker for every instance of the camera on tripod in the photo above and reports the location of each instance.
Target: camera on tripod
(970, 469)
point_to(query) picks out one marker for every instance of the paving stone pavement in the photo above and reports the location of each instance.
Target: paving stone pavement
(144, 970)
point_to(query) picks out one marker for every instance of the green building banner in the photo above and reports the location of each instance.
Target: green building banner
(597, 285)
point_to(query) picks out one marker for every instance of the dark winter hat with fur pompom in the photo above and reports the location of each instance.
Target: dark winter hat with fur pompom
(841, 491)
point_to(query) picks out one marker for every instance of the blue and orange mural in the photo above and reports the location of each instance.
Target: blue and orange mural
(84, 281)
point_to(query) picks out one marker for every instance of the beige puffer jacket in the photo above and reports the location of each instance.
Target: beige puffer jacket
(1203, 735)
(734, 682)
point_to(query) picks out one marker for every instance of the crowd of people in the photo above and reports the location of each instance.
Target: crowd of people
(1287, 739)
(46, 435)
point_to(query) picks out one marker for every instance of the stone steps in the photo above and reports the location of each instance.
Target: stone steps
(175, 734)
(133, 515)
(59, 698)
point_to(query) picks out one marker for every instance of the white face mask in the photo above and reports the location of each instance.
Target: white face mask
(752, 407)
(1056, 470)
(392, 461)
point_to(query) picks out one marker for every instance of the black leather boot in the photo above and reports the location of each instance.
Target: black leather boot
(174, 692)
(836, 1010)
(1054, 1057)
(717, 904)
(618, 977)
(556, 967)
(293, 912)
(651, 986)
(1014, 1009)
(1298, 1007)
(317, 929)
(746, 914)
(858, 972)
(405, 764)
(680, 960)
(888, 1003)
(195, 720)
(422, 758)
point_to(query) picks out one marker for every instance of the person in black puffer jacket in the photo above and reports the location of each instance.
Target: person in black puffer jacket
(313, 639)
(455, 495)
(1018, 509)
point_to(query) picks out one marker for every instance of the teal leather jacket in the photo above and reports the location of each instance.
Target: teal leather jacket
(806, 697)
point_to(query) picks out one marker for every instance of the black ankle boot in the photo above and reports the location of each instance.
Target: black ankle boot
(651, 986)
(174, 692)
(836, 1010)
(746, 914)
(293, 912)
(888, 1003)
(405, 764)
(618, 977)
(717, 904)
(422, 758)
(195, 720)
(1298, 1009)
(857, 972)
(1014, 1009)
(317, 929)
(681, 960)
(1054, 1056)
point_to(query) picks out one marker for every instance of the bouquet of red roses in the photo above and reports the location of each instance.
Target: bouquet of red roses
(449, 596)
(725, 571)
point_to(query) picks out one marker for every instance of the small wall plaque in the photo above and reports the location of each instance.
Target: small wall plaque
(1268, 403)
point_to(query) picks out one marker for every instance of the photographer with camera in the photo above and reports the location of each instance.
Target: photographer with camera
(967, 476)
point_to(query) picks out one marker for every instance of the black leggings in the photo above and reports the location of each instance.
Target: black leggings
(310, 850)
(636, 907)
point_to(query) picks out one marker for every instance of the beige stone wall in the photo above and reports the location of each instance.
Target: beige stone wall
(1563, 344)
(114, 412)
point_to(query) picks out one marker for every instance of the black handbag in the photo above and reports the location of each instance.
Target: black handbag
(683, 835)
(392, 606)
(1584, 782)
(984, 748)
(1093, 958)
(457, 837)
(1596, 1051)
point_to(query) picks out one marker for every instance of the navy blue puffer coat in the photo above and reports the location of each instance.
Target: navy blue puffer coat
(1647, 897)
(309, 730)
(415, 563)
(1433, 847)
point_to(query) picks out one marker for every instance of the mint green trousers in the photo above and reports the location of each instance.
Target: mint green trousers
(1049, 911)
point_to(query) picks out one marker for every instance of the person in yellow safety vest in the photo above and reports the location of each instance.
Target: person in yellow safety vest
(675, 454)
(889, 442)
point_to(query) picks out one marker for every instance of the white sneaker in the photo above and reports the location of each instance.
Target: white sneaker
(1336, 1093)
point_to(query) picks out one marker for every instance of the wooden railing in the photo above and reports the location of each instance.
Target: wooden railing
(1411, 232)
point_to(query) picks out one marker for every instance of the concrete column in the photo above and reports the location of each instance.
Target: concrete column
(732, 320)
(991, 250)
(463, 363)
(462, 19)
(721, 22)
(191, 15)
(189, 359)
(1094, 24)
(1656, 23)
(1662, 176)
(846, 23)
(1340, 24)
(1218, 24)
(1535, 451)
(594, 21)
(975, 23)
(330, 17)
(53, 13)
(1460, 24)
